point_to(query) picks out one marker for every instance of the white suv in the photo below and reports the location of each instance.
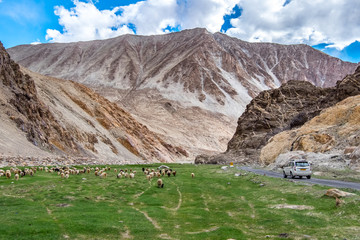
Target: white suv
(297, 168)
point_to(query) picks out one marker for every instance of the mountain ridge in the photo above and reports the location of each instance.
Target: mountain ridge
(51, 117)
(190, 70)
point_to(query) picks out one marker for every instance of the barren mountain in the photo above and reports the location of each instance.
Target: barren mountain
(44, 116)
(188, 86)
(281, 111)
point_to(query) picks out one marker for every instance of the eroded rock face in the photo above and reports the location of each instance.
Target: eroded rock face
(289, 107)
(67, 118)
(27, 111)
(335, 131)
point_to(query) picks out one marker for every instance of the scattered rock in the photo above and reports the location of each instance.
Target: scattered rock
(284, 235)
(63, 205)
(336, 193)
(296, 207)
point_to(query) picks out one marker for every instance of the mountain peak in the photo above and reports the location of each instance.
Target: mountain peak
(193, 69)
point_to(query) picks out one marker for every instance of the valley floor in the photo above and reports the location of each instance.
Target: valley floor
(215, 204)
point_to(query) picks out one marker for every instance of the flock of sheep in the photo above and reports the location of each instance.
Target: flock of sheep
(65, 172)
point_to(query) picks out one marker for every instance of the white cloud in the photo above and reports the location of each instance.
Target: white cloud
(306, 21)
(37, 42)
(86, 22)
(300, 21)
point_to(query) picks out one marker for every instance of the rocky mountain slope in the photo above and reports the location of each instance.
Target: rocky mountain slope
(44, 116)
(287, 108)
(333, 138)
(189, 86)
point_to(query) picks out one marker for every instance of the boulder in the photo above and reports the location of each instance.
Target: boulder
(336, 193)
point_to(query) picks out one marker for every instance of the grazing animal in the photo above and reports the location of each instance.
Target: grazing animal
(143, 169)
(132, 175)
(67, 175)
(103, 175)
(174, 173)
(119, 175)
(169, 173)
(160, 183)
(192, 175)
(96, 173)
(16, 177)
(62, 175)
(115, 170)
(8, 174)
(148, 177)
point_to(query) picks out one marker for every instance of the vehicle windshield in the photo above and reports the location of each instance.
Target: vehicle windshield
(302, 164)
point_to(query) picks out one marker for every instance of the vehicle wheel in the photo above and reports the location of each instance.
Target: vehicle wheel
(291, 175)
(308, 177)
(300, 177)
(284, 175)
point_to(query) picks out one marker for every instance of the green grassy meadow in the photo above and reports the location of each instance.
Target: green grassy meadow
(215, 204)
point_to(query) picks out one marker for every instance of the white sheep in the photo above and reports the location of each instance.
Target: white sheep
(8, 174)
(160, 183)
(192, 175)
(132, 175)
(16, 177)
(148, 177)
(103, 175)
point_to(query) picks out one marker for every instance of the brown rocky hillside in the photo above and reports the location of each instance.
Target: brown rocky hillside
(47, 116)
(335, 130)
(278, 110)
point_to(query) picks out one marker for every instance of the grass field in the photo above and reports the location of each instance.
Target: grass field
(215, 204)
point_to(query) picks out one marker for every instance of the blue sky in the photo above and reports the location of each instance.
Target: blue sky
(331, 26)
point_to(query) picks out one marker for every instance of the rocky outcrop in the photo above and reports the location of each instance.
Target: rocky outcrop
(19, 98)
(189, 86)
(280, 110)
(336, 130)
(67, 118)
